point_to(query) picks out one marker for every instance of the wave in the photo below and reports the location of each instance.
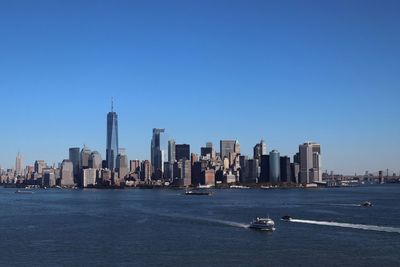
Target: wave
(351, 225)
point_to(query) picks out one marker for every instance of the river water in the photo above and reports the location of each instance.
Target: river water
(136, 227)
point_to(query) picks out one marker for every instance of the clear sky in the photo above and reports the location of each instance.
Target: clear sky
(285, 71)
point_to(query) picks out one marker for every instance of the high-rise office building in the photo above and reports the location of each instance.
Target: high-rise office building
(49, 179)
(18, 164)
(243, 174)
(95, 161)
(145, 170)
(274, 167)
(135, 165)
(186, 172)
(156, 156)
(182, 151)
(253, 170)
(260, 149)
(39, 166)
(285, 169)
(265, 169)
(89, 177)
(295, 170)
(67, 173)
(74, 157)
(208, 177)
(84, 158)
(171, 151)
(112, 138)
(228, 146)
(310, 162)
(122, 166)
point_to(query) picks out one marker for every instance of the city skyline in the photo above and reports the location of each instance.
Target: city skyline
(286, 73)
(162, 148)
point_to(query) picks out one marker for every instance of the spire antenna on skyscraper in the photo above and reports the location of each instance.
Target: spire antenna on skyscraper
(112, 104)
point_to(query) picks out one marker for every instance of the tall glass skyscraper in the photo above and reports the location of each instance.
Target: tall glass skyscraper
(112, 138)
(274, 167)
(156, 156)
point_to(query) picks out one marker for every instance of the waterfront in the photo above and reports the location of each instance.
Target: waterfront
(166, 228)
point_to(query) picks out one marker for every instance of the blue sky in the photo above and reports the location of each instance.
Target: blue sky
(285, 71)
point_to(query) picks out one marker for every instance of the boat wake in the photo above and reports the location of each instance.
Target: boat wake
(329, 204)
(228, 223)
(194, 218)
(210, 220)
(351, 225)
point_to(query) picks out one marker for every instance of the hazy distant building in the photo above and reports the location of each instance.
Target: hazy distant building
(295, 171)
(226, 147)
(135, 165)
(310, 162)
(39, 166)
(274, 167)
(95, 161)
(112, 138)
(67, 173)
(18, 165)
(156, 156)
(122, 166)
(49, 179)
(145, 170)
(186, 172)
(208, 177)
(182, 151)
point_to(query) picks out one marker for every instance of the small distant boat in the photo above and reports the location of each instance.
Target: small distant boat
(286, 218)
(204, 186)
(197, 193)
(239, 187)
(23, 192)
(366, 204)
(263, 224)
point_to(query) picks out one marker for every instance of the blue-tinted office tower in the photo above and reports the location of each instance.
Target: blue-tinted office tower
(156, 154)
(274, 167)
(112, 138)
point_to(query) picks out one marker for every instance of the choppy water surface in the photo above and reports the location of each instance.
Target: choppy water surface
(166, 228)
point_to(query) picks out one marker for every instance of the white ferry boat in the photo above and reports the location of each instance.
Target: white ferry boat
(264, 224)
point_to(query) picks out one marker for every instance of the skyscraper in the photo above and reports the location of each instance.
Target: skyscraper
(39, 166)
(84, 158)
(156, 156)
(95, 160)
(274, 167)
(112, 138)
(260, 149)
(171, 151)
(285, 169)
(122, 165)
(310, 162)
(228, 146)
(18, 164)
(67, 173)
(74, 157)
(182, 151)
